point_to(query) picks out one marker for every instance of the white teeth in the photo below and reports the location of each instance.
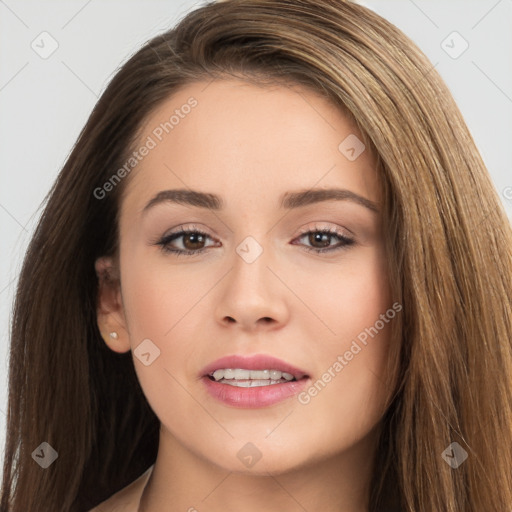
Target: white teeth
(256, 375)
(250, 383)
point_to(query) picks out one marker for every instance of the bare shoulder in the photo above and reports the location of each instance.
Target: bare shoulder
(127, 499)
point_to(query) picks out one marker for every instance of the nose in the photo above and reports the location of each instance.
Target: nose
(252, 296)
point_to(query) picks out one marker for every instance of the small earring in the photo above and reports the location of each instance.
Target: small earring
(113, 335)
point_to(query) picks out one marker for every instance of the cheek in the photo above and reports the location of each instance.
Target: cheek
(349, 362)
(162, 303)
(347, 297)
(349, 388)
(155, 297)
(159, 307)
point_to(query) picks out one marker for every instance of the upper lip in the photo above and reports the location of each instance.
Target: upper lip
(254, 362)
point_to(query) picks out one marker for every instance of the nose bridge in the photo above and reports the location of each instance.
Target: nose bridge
(250, 261)
(251, 291)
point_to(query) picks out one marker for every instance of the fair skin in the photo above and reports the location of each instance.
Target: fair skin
(249, 145)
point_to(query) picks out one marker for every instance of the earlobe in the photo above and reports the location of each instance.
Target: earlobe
(109, 309)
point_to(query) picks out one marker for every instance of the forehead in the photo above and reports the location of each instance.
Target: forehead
(248, 142)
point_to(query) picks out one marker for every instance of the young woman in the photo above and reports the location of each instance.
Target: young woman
(273, 274)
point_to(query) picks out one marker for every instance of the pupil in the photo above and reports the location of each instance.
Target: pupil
(192, 236)
(317, 237)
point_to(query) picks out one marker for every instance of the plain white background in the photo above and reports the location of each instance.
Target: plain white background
(44, 102)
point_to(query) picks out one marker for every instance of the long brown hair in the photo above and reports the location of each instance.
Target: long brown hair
(450, 264)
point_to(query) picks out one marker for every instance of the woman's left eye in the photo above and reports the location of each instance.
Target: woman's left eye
(323, 237)
(193, 241)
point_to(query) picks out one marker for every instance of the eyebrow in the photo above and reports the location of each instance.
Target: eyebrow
(289, 200)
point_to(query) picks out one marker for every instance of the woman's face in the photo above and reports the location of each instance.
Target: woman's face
(247, 281)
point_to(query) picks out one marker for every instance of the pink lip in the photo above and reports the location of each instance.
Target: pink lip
(256, 397)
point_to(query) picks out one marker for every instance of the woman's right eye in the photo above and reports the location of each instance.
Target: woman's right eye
(189, 237)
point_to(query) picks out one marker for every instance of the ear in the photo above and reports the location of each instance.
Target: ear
(109, 312)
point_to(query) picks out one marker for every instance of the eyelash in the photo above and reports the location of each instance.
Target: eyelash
(166, 240)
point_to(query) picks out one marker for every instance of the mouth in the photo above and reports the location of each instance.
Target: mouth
(252, 382)
(252, 371)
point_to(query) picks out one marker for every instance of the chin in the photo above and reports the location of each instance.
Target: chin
(260, 458)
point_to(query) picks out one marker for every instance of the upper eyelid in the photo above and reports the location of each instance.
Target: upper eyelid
(308, 229)
(331, 229)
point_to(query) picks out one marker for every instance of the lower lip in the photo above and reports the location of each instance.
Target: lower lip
(251, 398)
